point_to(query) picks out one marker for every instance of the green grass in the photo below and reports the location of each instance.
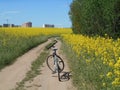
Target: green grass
(14, 47)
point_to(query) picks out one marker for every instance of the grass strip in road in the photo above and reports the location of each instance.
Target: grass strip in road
(35, 70)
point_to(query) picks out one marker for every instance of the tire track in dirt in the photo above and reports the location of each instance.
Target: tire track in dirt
(15, 73)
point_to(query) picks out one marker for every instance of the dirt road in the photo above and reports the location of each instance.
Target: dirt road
(48, 81)
(10, 75)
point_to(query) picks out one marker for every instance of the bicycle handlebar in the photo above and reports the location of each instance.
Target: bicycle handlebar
(55, 49)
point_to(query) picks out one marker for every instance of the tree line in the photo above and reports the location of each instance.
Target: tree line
(96, 17)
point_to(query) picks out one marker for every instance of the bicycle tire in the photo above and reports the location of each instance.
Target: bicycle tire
(50, 63)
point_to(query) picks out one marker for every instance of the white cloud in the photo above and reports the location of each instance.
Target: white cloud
(7, 15)
(11, 12)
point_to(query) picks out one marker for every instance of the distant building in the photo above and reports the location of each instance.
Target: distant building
(12, 25)
(48, 25)
(27, 24)
(6, 25)
(17, 25)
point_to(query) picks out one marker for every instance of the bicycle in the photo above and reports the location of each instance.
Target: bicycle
(55, 63)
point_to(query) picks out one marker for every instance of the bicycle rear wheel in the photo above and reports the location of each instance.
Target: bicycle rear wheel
(50, 63)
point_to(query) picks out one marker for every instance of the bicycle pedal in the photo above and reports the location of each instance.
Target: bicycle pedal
(66, 75)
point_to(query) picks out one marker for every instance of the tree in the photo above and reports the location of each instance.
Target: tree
(93, 17)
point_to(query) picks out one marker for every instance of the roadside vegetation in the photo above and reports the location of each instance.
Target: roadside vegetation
(95, 61)
(94, 48)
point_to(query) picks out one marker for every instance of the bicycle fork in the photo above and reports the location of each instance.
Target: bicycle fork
(55, 64)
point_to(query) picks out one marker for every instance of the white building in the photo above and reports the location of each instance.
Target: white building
(48, 26)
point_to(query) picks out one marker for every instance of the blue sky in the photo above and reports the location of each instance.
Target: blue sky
(39, 12)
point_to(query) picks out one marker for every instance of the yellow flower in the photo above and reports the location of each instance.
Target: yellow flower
(101, 76)
(88, 61)
(116, 65)
(116, 82)
(117, 72)
(104, 84)
(111, 63)
(104, 50)
(109, 74)
(118, 61)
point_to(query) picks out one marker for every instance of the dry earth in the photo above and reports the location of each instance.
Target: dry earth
(15, 73)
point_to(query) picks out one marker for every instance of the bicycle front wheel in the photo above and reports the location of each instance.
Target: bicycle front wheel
(50, 63)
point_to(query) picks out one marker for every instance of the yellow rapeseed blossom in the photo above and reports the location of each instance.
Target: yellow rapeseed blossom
(105, 50)
(36, 31)
(117, 72)
(88, 61)
(109, 74)
(111, 63)
(116, 82)
(104, 84)
(117, 64)
(29, 33)
(101, 76)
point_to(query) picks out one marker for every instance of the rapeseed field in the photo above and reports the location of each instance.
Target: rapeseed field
(95, 61)
(16, 41)
(98, 61)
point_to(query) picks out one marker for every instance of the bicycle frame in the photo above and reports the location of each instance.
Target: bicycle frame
(55, 60)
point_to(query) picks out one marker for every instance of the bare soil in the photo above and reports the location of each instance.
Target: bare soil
(15, 73)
